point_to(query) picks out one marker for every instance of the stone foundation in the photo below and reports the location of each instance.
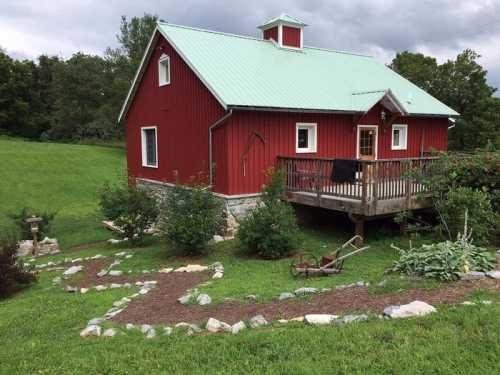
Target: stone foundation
(236, 206)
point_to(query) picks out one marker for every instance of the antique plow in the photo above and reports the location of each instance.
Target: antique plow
(308, 264)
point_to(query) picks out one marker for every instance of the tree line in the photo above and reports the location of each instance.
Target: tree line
(80, 97)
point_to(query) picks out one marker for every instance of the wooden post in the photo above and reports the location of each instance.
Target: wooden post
(359, 227)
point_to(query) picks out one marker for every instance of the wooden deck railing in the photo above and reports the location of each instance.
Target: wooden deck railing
(374, 181)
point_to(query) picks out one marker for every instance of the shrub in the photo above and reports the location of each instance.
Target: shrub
(481, 217)
(193, 215)
(444, 261)
(130, 208)
(270, 230)
(13, 276)
(25, 229)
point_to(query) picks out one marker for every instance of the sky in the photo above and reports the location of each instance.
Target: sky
(441, 28)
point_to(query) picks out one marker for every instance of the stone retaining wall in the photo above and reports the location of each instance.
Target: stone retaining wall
(236, 206)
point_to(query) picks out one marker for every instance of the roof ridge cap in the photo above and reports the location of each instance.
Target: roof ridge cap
(212, 31)
(339, 51)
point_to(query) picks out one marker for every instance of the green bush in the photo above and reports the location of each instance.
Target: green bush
(458, 201)
(13, 276)
(270, 230)
(129, 207)
(193, 215)
(25, 228)
(444, 261)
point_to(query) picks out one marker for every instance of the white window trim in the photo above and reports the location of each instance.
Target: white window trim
(376, 139)
(143, 146)
(314, 146)
(405, 139)
(161, 60)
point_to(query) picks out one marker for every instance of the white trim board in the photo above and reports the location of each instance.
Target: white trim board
(313, 148)
(376, 139)
(404, 146)
(144, 156)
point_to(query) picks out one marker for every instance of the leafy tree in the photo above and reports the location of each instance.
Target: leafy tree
(462, 85)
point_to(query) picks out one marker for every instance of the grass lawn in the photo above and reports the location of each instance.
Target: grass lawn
(39, 327)
(58, 178)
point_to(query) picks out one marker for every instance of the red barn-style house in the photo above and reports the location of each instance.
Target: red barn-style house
(343, 126)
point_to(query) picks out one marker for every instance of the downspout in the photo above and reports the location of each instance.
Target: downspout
(215, 125)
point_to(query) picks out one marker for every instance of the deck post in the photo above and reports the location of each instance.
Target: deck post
(359, 227)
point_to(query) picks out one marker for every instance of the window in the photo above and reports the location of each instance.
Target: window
(164, 70)
(399, 137)
(149, 146)
(306, 137)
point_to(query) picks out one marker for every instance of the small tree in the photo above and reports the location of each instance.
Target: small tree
(270, 230)
(193, 215)
(129, 207)
(13, 276)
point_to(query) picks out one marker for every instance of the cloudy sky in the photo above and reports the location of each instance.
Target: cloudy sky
(441, 28)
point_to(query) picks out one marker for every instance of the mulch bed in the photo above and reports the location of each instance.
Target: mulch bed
(160, 305)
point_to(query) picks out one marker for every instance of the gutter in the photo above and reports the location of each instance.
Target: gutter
(215, 125)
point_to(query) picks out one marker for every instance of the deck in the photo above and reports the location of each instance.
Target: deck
(380, 187)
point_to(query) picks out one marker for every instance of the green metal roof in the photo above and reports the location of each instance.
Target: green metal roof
(283, 18)
(248, 72)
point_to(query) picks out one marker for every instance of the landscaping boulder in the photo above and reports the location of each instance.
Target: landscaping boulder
(204, 299)
(96, 321)
(213, 325)
(166, 270)
(115, 273)
(303, 291)
(192, 268)
(84, 290)
(472, 275)
(110, 332)
(258, 321)
(238, 327)
(167, 331)
(494, 274)
(286, 295)
(100, 288)
(218, 275)
(92, 330)
(102, 273)
(415, 308)
(71, 289)
(72, 270)
(185, 299)
(151, 333)
(129, 326)
(320, 319)
(145, 328)
(351, 319)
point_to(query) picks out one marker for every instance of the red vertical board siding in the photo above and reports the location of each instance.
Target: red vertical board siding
(271, 33)
(183, 112)
(337, 138)
(291, 36)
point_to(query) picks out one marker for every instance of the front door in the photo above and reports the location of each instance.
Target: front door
(367, 142)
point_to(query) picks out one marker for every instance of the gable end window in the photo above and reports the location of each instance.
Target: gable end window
(149, 145)
(306, 137)
(164, 70)
(399, 137)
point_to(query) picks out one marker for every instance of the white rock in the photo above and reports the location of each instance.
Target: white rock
(128, 256)
(302, 291)
(415, 308)
(282, 321)
(92, 330)
(238, 327)
(102, 273)
(144, 291)
(286, 295)
(71, 289)
(145, 328)
(129, 326)
(98, 256)
(96, 321)
(192, 268)
(72, 270)
(139, 283)
(204, 299)
(468, 303)
(127, 285)
(121, 254)
(110, 332)
(213, 325)
(113, 312)
(100, 288)
(115, 286)
(351, 319)
(486, 302)
(84, 290)
(218, 238)
(184, 299)
(472, 275)
(494, 274)
(320, 319)
(166, 270)
(115, 273)
(77, 260)
(167, 331)
(218, 275)
(151, 333)
(258, 321)
(113, 241)
(297, 319)
(225, 327)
